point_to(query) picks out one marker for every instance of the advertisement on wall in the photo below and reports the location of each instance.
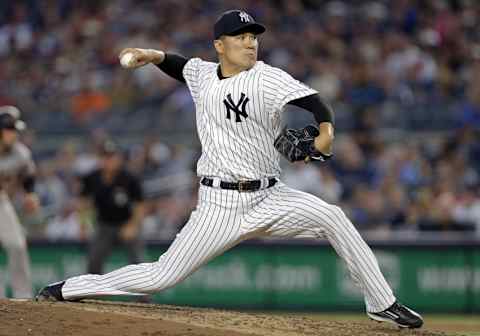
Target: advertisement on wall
(292, 277)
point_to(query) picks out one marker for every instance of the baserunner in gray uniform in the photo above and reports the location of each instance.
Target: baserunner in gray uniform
(16, 167)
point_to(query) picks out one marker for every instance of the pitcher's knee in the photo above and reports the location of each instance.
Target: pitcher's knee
(338, 216)
(161, 283)
(336, 212)
(161, 280)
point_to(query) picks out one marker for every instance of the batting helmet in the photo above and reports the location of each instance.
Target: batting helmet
(10, 118)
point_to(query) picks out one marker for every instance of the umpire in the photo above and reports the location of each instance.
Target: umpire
(117, 198)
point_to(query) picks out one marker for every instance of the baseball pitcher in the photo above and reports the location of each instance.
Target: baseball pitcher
(16, 166)
(239, 102)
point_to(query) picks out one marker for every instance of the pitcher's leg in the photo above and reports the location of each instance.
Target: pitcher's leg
(210, 231)
(309, 216)
(361, 262)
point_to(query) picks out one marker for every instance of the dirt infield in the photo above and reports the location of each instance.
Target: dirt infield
(102, 318)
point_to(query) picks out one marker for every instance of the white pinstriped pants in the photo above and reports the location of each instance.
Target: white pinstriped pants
(13, 241)
(224, 218)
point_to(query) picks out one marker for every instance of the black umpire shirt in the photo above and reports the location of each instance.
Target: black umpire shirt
(113, 201)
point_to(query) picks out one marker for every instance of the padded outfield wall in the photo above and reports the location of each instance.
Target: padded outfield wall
(300, 275)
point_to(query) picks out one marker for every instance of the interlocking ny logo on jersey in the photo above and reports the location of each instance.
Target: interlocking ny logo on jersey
(244, 17)
(238, 108)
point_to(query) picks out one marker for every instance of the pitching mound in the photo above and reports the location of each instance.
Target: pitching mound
(102, 318)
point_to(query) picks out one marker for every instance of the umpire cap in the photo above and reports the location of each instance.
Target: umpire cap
(234, 22)
(10, 118)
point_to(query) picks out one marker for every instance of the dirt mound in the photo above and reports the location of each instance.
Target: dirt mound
(102, 318)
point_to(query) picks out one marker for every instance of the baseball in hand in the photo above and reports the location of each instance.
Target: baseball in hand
(126, 60)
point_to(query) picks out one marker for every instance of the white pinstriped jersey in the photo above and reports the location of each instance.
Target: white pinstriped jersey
(239, 117)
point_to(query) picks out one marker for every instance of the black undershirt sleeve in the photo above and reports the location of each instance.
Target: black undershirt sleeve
(173, 65)
(320, 109)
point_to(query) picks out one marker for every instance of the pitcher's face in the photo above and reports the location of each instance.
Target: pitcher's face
(240, 50)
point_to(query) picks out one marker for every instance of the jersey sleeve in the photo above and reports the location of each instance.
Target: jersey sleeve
(191, 73)
(281, 88)
(173, 65)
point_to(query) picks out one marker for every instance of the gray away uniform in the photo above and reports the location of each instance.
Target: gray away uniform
(14, 164)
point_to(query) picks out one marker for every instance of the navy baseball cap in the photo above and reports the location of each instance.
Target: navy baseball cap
(234, 22)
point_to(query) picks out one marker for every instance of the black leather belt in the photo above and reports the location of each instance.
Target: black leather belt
(241, 186)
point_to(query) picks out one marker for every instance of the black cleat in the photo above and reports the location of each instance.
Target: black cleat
(52, 292)
(399, 315)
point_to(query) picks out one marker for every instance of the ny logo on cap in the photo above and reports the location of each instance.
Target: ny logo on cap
(244, 17)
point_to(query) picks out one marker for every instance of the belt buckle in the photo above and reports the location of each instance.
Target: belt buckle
(243, 186)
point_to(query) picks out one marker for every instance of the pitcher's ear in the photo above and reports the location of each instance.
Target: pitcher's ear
(219, 47)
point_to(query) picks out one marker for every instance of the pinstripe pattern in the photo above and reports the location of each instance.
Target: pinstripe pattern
(224, 218)
(232, 151)
(240, 150)
(212, 228)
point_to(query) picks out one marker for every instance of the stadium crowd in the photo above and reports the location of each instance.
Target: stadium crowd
(403, 77)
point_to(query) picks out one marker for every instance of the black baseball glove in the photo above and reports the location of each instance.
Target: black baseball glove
(297, 144)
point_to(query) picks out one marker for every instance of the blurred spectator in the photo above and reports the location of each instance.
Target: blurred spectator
(50, 189)
(363, 53)
(352, 167)
(466, 210)
(88, 103)
(67, 224)
(368, 211)
(402, 76)
(314, 179)
(469, 113)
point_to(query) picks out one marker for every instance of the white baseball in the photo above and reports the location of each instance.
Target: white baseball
(126, 59)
